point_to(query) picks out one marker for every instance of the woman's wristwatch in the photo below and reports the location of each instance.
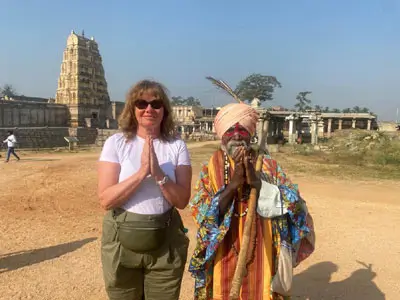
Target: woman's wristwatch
(163, 181)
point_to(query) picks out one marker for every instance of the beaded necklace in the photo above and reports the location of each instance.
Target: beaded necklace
(244, 196)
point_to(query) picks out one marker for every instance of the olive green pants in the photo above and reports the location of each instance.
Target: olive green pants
(136, 276)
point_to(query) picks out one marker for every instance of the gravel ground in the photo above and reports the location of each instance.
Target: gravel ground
(50, 230)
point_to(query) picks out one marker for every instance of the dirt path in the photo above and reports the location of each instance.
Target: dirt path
(50, 233)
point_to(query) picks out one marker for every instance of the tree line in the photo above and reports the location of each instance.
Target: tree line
(304, 103)
(253, 86)
(263, 87)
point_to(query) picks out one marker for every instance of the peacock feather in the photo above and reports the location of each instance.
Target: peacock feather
(224, 86)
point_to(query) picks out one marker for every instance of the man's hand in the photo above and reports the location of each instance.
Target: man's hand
(238, 177)
(237, 180)
(252, 178)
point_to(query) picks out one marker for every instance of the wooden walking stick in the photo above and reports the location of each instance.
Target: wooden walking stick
(241, 266)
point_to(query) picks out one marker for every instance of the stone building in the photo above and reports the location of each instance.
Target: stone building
(81, 108)
(189, 119)
(82, 85)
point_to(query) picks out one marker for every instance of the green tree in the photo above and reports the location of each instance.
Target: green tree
(176, 101)
(318, 107)
(335, 110)
(189, 101)
(257, 86)
(303, 103)
(8, 90)
(347, 110)
(365, 110)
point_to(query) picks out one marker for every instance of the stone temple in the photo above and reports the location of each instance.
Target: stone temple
(82, 85)
(81, 107)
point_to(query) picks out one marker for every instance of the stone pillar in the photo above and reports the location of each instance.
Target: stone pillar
(369, 124)
(292, 130)
(314, 134)
(260, 128)
(329, 127)
(320, 128)
(353, 123)
(266, 130)
(266, 125)
(340, 124)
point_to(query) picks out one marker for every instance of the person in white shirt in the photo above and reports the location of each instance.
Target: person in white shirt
(11, 143)
(144, 174)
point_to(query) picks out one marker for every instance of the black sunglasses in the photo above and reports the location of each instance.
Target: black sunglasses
(142, 104)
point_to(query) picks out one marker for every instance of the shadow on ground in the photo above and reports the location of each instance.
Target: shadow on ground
(16, 260)
(314, 284)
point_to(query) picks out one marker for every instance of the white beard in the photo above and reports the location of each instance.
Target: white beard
(231, 146)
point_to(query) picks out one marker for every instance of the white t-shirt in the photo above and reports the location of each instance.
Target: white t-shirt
(148, 198)
(10, 140)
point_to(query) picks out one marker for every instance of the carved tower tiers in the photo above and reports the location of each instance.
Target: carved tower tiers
(82, 85)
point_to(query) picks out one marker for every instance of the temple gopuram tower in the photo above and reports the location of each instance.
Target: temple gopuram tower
(82, 85)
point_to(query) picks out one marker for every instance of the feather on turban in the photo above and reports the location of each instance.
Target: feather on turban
(234, 113)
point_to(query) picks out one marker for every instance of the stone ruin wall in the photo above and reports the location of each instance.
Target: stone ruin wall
(28, 114)
(53, 137)
(44, 125)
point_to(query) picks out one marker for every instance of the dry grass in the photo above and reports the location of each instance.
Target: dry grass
(51, 224)
(354, 153)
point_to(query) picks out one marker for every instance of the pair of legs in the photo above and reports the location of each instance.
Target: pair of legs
(143, 276)
(10, 151)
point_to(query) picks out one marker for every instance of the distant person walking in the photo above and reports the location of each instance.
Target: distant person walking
(11, 142)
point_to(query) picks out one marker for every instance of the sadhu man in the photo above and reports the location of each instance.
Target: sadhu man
(283, 233)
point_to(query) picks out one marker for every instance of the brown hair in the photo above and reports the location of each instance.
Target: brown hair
(127, 120)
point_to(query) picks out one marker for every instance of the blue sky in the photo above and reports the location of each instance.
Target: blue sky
(346, 52)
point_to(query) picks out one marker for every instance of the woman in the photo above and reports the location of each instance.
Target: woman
(144, 175)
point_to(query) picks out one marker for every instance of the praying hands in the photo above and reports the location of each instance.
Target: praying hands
(149, 161)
